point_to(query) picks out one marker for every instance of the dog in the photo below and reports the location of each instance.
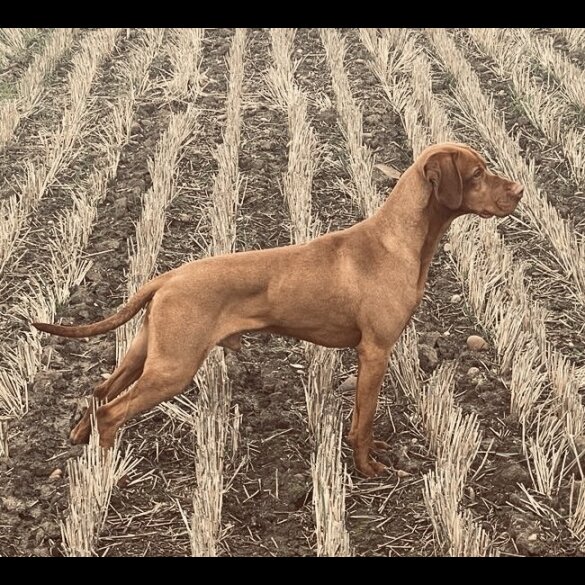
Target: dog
(357, 287)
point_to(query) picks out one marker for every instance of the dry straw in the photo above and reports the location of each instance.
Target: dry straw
(515, 319)
(18, 368)
(185, 55)
(545, 106)
(134, 71)
(211, 418)
(150, 227)
(325, 427)
(571, 80)
(303, 152)
(14, 41)
(61, 149)
(280, 80)
(303, 157)
(88, 499)
(495, 280)
(77, 115)
(226, 185)
(362, 189)
(162, 168)
(527, 382)
(11, 214)
(92, 476)
(4, 452)
(518, 327)
(67, 267)
(328, 484)
(516, 302)
(546, 451)
(137, 68)
(575, 37)
(453, 437)
(458, 533)
(21, 359)
(69, 236)
(391, 55)
(392, 51)
(570, 76)
(321, 364)
(210, 426)
(66, 270)
(31, 86)
(564, 393)
(576, 521)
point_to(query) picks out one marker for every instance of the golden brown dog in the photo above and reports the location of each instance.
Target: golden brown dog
(356, 287)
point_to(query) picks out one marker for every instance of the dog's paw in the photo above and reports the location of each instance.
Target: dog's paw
(80, 433)
(372, 468)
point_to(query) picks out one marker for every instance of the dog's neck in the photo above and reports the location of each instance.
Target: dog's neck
(412, 214)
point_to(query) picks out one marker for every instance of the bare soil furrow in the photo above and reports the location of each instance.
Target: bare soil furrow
(270, 438)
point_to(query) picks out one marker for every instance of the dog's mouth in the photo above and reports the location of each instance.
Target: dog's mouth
(507, 209)
(502, 209)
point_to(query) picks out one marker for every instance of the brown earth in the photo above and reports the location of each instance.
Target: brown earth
(267, 508)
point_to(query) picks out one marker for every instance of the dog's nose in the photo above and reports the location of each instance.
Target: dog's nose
(517, 190)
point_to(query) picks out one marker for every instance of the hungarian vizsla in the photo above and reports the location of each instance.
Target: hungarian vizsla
(357, 287)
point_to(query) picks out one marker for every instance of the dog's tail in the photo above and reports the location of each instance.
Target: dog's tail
(134, 304)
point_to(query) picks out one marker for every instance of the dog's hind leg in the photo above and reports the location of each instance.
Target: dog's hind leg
(155, 385)
(172, 360)
(129, 370)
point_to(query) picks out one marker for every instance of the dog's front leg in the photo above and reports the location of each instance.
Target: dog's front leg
(372, 363)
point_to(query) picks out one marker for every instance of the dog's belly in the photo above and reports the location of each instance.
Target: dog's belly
(328, 337)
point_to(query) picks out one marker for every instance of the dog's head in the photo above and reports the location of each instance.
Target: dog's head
(460, 181)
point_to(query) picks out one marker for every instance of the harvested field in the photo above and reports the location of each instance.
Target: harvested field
(126, 152)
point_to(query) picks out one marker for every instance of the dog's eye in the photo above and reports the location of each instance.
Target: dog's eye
(477, 173)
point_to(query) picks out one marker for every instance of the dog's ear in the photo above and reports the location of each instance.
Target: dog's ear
(442, 172)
